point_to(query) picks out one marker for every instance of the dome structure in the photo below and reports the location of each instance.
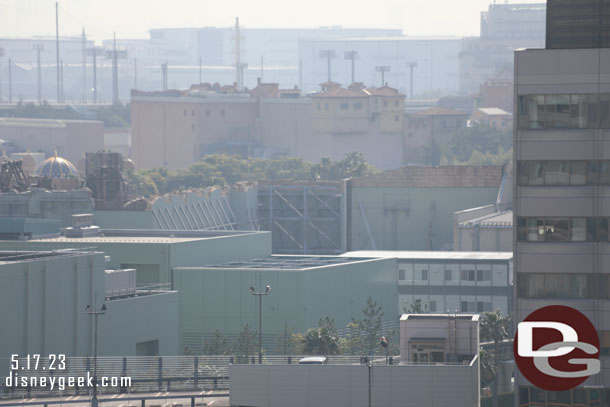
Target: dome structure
(56, 167)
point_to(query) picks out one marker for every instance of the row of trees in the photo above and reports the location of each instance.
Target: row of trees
(223, 169)
(361, 338)
(480, 144)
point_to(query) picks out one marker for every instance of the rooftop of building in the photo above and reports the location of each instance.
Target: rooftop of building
(472, 317)
(441, 111)
(145, 236)
(493, 111)
(502, 218)
(430, 255)
(17, 256)
(289, 263)
(449, 176)
(54, 123)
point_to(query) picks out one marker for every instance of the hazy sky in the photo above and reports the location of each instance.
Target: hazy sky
(133, 18)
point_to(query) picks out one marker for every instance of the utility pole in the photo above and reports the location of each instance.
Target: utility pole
(10, 81)
(94, 52)
(383, 69)
(164, 76)
(328, 54)
(411, 65)
(38, 48)
(260, 319)
(352, 55)
(84, 68)
(57, 51)
(95, 314)
(61, 81)
(2, 52)
(237, 53)
(115, 73)
(240, 81)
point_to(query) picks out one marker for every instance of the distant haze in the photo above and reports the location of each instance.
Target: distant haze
(133, 18)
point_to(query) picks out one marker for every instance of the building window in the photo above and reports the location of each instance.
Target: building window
(424, 275)
(432, 306)
(344, 106)
(557, 172)
(483, 275)
(448, 275)
(467, 275)
(562, 229)
(566, 111)
(358, 106)
(557, 285)
(325, 106)
(401, 274)
(318, 106)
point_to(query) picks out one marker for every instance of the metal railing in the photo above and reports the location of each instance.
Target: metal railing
(147, 289)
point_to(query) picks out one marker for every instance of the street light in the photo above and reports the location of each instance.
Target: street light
(411, 65)
(94, 402)
(260, 320)
(383, 69)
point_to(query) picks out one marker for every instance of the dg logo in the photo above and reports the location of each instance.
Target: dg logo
(556, 348)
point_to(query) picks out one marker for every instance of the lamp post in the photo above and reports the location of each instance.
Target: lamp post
(352, 55)
(383, 69)
(412, 65)
(260, 320)
(94, 402)
(383, 341)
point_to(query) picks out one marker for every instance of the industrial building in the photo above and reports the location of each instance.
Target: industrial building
(448, 281)
(437, 352)
(47, 293)
(412, 208)
(155, 253)
(561, 205)
(304, 289)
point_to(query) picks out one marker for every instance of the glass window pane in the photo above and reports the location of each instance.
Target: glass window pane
(522, 173)
(401, 274)
(578, 286)
(578, 173)
(592, 172)
(537, 397)
(556, 229)
(578, 110)
(559, 398)
(448, 275)
(535, 110)
(592, 229)
(557, 111)
(603, 173)
(579, 229)
(602, 233)
(522, 112)
(524, 396)
(604, 111)
(522, 229)
(535, 173)
(557, 173)
(580, 398)
(592, 111)
(557, 285)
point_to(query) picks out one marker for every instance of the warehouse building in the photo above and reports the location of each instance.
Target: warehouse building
(44, 296)
(303, 290)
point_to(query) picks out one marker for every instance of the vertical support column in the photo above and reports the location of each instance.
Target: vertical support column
(196, 373)
(160, 373)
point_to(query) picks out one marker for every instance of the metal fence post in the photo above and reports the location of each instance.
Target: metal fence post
(196, 373)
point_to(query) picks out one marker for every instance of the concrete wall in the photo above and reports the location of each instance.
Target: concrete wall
(44, 301)
(341, 385)
(412, 208)
(130, 321)
(218, 298)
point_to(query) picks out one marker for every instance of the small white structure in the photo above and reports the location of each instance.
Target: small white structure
(438, 338)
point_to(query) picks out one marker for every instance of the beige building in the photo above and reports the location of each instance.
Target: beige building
(175, 129)
(493, 117)
(67, 138)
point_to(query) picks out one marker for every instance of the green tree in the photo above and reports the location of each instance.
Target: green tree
(246, 342)
(322, 340)
(370, 325)
(217, 344)
(432, 153)
(495, 327)
(289, 342)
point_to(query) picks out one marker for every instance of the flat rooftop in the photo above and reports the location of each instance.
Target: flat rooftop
(430, 255)
(16, 256)
(495, 219)
(146, 236)
(282, 262)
